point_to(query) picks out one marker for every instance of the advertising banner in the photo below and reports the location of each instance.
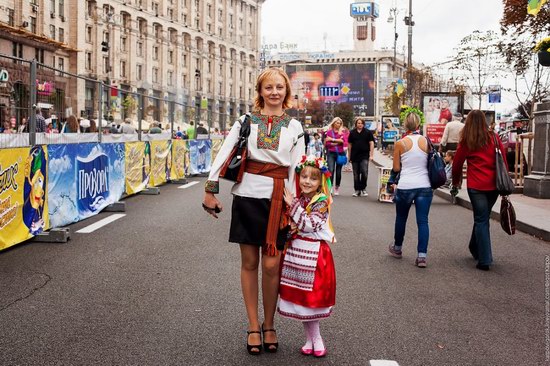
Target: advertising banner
(138, 166)
(83, 180)
(438, 109)
(216, 146)
(320, 87)
(385, 191)
(23, 194)
(200, 153)
(161, 157)
(179, 153)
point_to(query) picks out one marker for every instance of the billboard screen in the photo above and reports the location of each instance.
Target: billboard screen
(364, 10)
(320, 87)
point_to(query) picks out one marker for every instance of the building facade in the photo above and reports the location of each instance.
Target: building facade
(201, 53)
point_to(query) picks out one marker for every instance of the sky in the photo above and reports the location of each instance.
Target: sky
(439, 27)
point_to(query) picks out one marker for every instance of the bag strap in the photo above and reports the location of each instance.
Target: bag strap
(244, 132)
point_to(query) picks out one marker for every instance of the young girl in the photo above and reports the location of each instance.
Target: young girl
(308, 281)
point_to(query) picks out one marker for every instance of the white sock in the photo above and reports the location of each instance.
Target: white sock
(309, 342)
(315, 334)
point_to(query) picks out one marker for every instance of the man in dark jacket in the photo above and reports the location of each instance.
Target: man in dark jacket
(361, 151)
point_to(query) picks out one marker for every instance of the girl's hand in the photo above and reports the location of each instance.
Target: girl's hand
(288, 197)
(211, 204)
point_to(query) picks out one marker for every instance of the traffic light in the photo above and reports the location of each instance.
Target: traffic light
(105, 46)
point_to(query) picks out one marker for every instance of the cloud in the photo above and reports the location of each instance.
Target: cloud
(61, 165)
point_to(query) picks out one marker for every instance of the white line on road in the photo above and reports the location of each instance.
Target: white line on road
(383, 363)
(188, 185)
(96, 225)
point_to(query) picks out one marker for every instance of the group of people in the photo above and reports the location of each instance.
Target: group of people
(280, 214)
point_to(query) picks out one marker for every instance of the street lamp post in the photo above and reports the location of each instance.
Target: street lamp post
(410, 23)
(393, 18)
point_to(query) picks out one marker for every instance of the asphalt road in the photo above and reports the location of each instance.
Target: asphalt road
(161, 286)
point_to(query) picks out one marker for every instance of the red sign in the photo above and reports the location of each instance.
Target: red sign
(435, 132)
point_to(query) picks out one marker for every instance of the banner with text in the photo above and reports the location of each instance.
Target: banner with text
(83, 180)
(138, 166)
(179, 153)
(23, 194)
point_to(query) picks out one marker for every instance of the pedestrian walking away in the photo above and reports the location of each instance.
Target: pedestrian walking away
(275, 146)
(308, 280)
(410, 159)
(335, 143)
(361, 152)
(477, 149)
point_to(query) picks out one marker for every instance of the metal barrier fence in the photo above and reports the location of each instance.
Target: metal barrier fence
(38, 101)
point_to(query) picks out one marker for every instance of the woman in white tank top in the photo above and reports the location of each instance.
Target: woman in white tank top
(410, 159)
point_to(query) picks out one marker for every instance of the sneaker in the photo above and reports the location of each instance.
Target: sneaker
(336, 191)
(394, 253)
(356, 194)
(420, 262)
(364, 193)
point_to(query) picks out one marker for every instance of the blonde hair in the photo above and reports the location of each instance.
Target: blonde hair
(334, 120)
(266, 74)
(412, 122)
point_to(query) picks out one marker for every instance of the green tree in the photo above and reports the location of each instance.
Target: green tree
(344, 111)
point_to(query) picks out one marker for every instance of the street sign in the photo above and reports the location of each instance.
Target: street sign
(329, 91)
(493, 92)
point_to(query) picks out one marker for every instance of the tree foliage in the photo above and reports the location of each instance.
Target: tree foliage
(516, 19)
(344, 111)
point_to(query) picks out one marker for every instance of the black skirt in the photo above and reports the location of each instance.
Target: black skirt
(249, 218)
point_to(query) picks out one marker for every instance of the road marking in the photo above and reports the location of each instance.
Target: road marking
(383, 363)
(96, 225)
(187, 185)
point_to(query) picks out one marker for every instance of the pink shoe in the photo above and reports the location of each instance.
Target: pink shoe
(320, 354)
(306, 351)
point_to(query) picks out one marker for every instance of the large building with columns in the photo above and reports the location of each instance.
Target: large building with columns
(178, 50)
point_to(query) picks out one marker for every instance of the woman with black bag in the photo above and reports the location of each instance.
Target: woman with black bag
(275, 146)
(477, 147)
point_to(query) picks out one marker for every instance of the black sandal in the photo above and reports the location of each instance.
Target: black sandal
(267, 346)
(253, 349)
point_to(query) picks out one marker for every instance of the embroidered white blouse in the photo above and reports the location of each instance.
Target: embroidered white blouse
(282, 143)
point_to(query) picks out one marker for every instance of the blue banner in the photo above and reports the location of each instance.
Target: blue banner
(200, 152)
(83, 180)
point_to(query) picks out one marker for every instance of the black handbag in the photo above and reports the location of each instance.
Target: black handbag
(504, 183)
(234, 165)
(436, 167)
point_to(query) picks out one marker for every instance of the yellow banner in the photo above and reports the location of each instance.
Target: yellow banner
(216, 146)
(138, 166)
(179, 151)
(23, 194)
(161, 154)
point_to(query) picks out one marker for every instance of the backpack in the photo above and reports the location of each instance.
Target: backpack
(436, 167)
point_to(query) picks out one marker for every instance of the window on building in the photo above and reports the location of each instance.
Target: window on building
(106, 36)
(33, 24)
(220, 87)
(209, 28)
(106, 64)
(185, 19)
(230, 21)
(231, 71)
(61, 8)
(139, 47)
(139, 72)
(241, 92)
(197, 23)
(61, 35)
(171, 14)
(123, 69)
(170, 56)
(123, 44)
(89, 34)
(220, 14)
(156, 9)
(88, 61)
(249, 77)
(220, 70)
(170, 80)
(155, 52)
(184, 60)
(11, 17)
(155, 75)
(220, 31)
(61, 63)
(209, 67)
(362, 31)
(52, 31)
(184, 80)
(52, 6)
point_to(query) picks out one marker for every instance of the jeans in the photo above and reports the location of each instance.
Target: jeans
(480, 241)
(422, 198)
(360, 174)
(335, 169)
